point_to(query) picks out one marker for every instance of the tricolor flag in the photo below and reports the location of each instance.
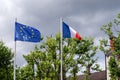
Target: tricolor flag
(26, 33)
(69, 32)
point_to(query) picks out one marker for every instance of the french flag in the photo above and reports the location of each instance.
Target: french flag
(69, 32)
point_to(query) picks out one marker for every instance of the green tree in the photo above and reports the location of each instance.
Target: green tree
(6, 63)
(26, 73)
(68, 58)
(87, 59)
(32, 59)
(83, 56)
(46, 58)
(113, 32)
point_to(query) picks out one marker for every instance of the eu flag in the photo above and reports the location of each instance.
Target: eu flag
(26, 33)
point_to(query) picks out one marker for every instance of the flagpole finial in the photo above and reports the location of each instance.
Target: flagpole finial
(15, 19)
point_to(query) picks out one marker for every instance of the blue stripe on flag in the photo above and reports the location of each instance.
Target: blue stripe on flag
(66, 30)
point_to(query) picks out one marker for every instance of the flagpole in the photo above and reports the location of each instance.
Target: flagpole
(15, 62)
(15, 58)
(61, 48)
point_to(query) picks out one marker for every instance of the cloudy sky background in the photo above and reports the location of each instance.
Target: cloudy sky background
(85, 16)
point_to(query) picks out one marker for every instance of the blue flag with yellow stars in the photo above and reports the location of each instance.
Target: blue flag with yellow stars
(26, 33)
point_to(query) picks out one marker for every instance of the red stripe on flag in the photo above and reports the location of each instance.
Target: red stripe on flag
(78, 36)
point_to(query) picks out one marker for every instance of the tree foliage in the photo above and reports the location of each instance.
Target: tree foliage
(46, 57)
(113, 32)
(6, 66)
(87, 52)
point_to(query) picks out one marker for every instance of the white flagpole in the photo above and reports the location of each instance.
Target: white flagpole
(15, 59)
(15, 62)
(61, 47)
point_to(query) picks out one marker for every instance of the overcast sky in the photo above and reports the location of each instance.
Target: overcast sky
(85, 16)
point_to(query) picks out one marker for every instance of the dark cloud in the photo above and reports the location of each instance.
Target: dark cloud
(65, 8)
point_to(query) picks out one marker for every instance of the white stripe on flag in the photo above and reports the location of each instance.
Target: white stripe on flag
(72, 31)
